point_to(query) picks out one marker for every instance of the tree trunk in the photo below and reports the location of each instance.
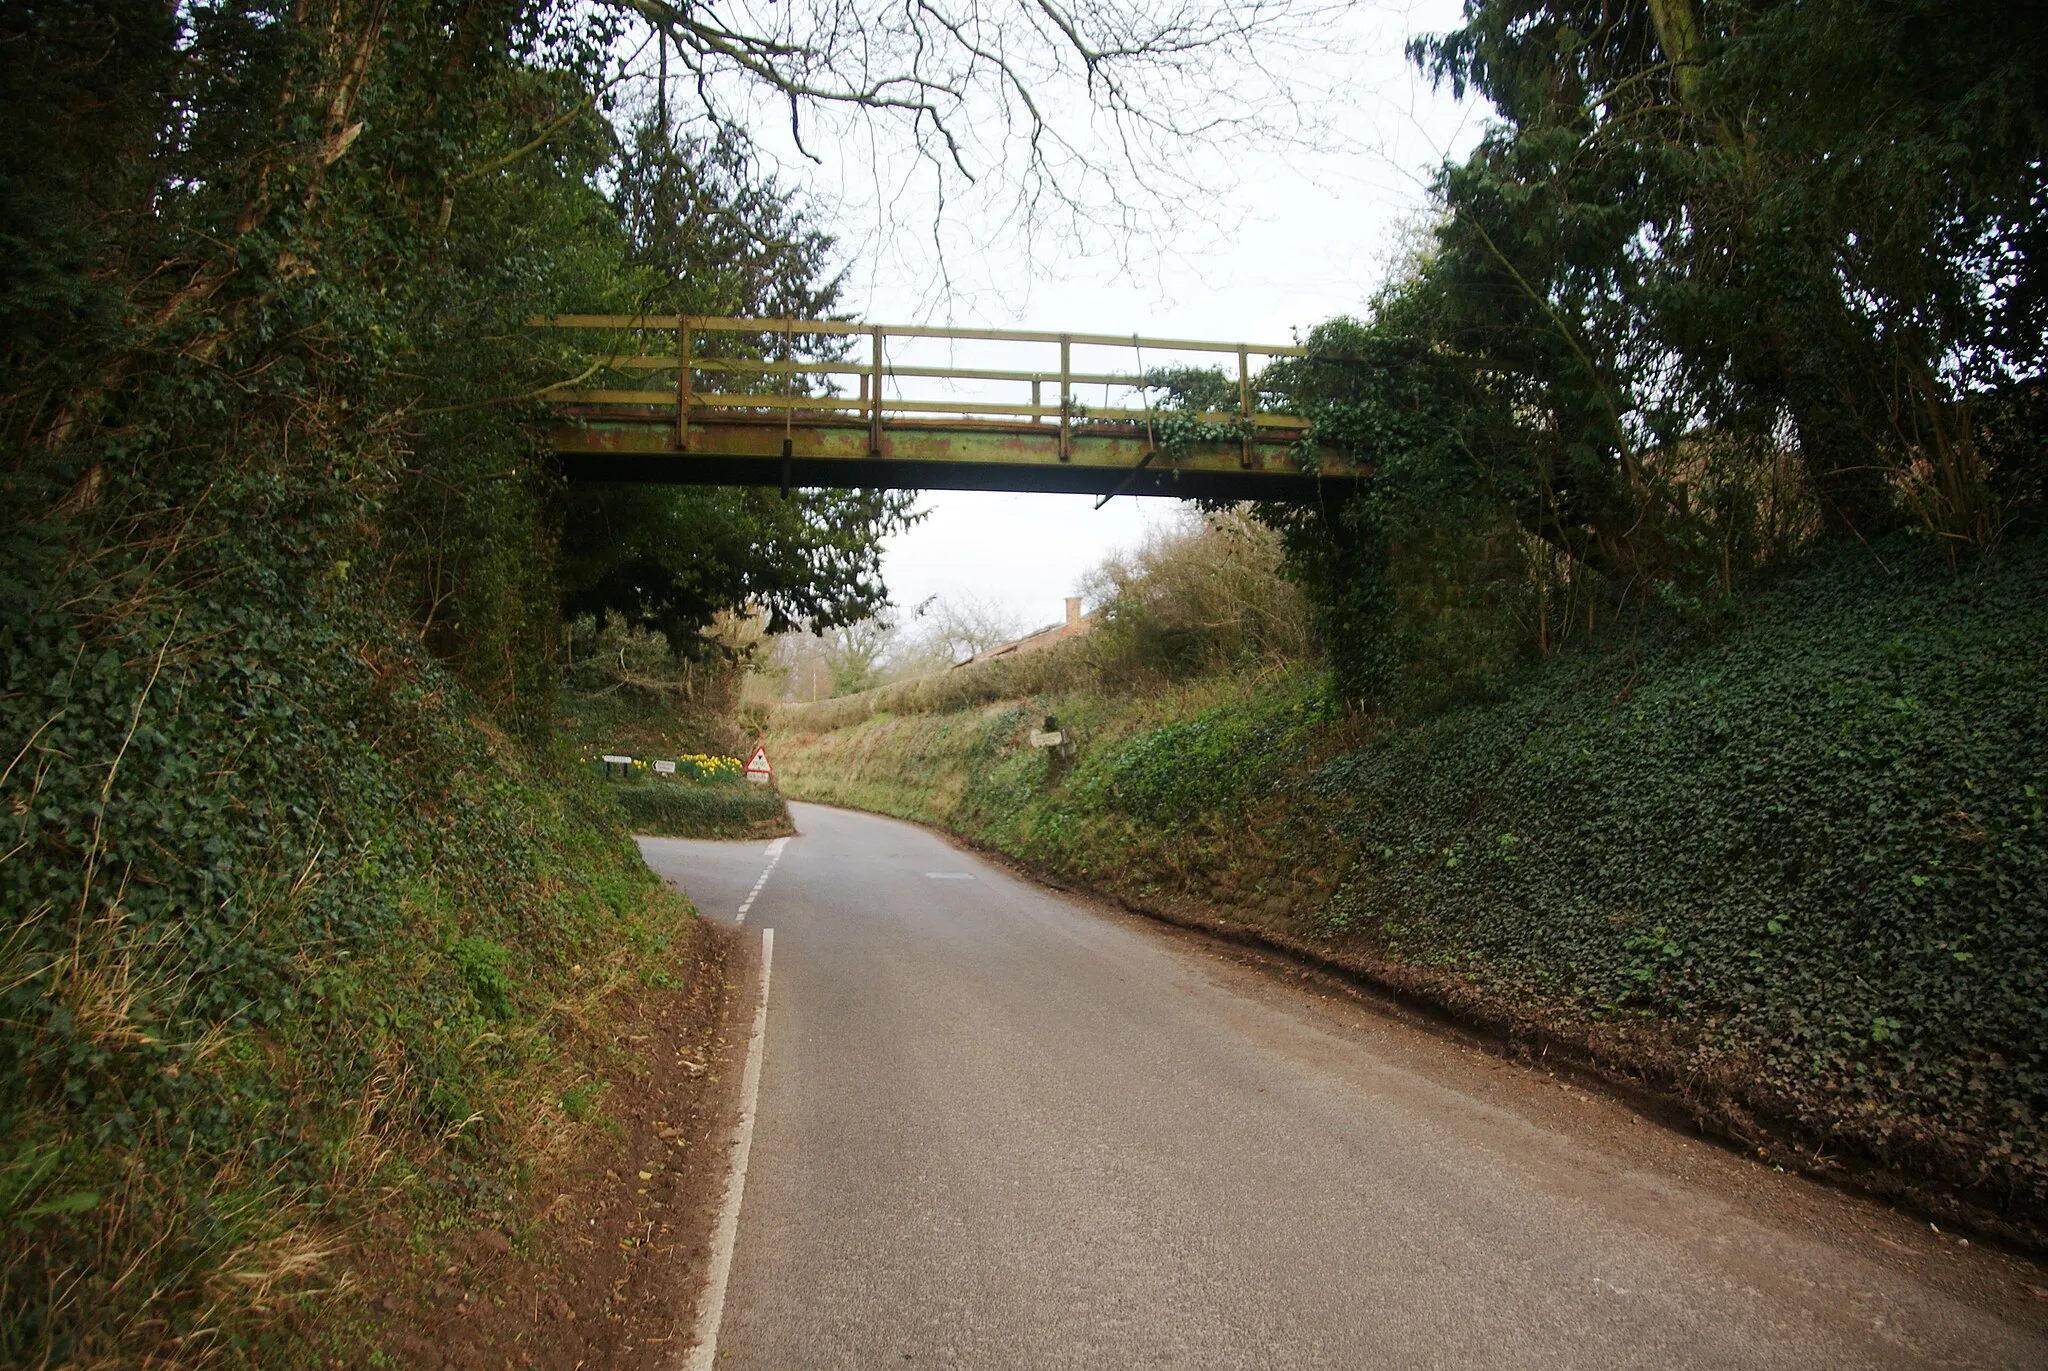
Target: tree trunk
(1844, 460)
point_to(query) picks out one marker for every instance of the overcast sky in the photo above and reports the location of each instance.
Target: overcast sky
(1303, 235)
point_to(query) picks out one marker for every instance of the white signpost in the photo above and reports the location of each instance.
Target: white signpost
(1052, 735)
(665, 768)
(758, 770)
(618, 761)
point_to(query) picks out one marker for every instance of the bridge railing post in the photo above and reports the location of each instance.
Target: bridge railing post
(1066, 397)
(1244, 404)
(614, 422)
(682, 384)
(875, 399)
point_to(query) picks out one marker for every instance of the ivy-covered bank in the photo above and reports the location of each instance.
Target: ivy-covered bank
(1793, 869)
(302, 951)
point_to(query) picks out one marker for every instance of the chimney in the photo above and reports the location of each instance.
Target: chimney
(1073, 611)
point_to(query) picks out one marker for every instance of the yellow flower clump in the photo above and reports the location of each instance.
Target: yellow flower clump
(697, 766)
(709, 768)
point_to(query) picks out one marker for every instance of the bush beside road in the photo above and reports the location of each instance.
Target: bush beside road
(686, 809)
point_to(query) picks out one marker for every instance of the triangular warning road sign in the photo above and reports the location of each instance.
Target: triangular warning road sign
(757, 765)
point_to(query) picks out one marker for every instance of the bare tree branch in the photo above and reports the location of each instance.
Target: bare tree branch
(1078, 115)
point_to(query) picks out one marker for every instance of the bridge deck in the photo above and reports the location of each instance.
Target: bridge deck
(756, 420)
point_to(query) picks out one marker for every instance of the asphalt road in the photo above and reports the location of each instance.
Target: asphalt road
(999, 1127)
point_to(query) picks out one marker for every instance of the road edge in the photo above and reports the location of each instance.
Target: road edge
(1691, 1104)
(703, 1351)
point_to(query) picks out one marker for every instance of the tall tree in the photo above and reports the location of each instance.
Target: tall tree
(710, 234)
(1754, 213)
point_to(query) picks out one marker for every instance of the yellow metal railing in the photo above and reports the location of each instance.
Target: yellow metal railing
(871, 376)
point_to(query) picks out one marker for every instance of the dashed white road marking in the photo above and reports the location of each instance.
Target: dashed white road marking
(774, 856)
(703, 1353)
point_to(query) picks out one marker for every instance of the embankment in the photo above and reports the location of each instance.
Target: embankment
(1789, 873)
(301, 953)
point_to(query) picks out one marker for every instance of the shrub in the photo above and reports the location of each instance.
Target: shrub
(684, 810)
(482, 964)
(1202, 596)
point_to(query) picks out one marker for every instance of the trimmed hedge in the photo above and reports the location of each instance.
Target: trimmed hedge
(678, 809)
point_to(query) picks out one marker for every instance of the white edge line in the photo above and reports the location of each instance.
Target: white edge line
(703, 1354)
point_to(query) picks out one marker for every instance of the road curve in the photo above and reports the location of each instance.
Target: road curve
(1000, 1128)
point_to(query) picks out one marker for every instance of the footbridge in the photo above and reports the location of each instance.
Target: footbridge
(812, 402)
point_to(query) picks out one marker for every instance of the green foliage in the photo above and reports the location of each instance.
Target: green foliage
(1214, 764)
(672, 558)
(268, 890)
(688, 809)
(1383, 393)
(482, 964)
(1818, 842)
(716, 234)
(295, 896)
(707, 770)
(1721, 278)
(708, 233)
(1750, 214)
(579, 1102)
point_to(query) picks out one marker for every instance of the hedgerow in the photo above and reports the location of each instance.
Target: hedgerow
(716, 809)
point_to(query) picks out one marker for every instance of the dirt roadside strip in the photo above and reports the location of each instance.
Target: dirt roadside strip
(609, 1268)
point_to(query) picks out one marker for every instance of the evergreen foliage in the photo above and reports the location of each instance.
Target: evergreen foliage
(1724, 276)
(692, 809)
(710, 235)
(1752, 214)
(1817, 843)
